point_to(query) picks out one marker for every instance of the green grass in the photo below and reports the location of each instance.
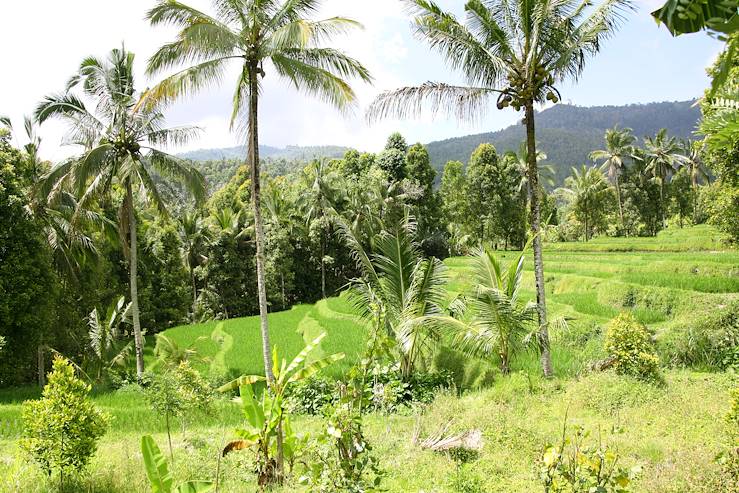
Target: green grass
(673, 431)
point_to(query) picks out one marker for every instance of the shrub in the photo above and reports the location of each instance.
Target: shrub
(572, 466)
(61, 430)
(709, 342)
(629, 343)
(310, 396)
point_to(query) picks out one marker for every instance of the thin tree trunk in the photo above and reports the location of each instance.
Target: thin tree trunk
(620, 204)
(546, 358)
(323, 265)
(41, 366)
(132, 266)
(253, 157)
(194, 290)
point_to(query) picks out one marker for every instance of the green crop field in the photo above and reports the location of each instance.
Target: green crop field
(673, 432)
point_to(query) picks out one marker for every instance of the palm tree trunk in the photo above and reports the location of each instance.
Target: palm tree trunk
(620, 202)
(253, 158)
(323, 265)
(194, 289)
(132, 266)
(546, 358)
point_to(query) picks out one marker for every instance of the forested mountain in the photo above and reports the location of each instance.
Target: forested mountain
(290, 153)
(567, 134)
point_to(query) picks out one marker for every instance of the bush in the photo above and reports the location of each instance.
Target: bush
(629, 342)
(384, 390)
(709, 342)
(572, 466)
(61, 430)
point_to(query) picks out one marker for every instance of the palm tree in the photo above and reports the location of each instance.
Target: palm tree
(519, 50)
(317, 202)
(104, 333)
(194, 235)
(119, 142)
(521, 160)
(400, 291)
(662, 158)
(499, 319)
(693, 163)
(253, 34)
(587, 186)
(619, 147)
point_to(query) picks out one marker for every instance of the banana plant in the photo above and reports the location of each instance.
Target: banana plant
(158, 473)
(268, 429)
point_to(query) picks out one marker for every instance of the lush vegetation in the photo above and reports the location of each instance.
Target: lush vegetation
(344, 324)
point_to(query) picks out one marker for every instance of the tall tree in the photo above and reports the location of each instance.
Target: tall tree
(663, 158)
(120, 140)
(619, 147)
(253, 34)
(694, 166)
(519, 50)
(194, 236)
(588, 188)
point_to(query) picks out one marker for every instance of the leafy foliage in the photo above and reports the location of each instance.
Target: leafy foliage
(62, 428)
(573, 466)
(630, 344)
(158, 473)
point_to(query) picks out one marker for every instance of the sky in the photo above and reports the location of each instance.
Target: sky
(44, 41)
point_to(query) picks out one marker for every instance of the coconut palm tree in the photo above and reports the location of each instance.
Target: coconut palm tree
(619, 147)
(663, 158)
(108, 350)
(515, 49)
(119, 141)
(587, 187)
(317, 201)
(257, 36)
(499, 321)
(399, 292)
(194, 236)
(693, 163)
(521, 160)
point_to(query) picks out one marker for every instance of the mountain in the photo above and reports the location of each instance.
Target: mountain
(567, 133)
(290, 153)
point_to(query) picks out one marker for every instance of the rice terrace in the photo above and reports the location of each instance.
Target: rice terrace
(549, 307)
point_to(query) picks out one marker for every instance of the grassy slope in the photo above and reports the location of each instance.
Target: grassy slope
(673, 432)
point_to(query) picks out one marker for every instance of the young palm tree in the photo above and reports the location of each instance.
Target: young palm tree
(108, 350)
(662, 159)
(258, 35)
(587, 186)
(518, 50)
(619, 147)
(499, 320)
(119, 150)
(400, 291)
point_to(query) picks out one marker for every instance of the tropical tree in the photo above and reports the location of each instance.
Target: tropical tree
(256, 35)
(119, 140)
(403, 287)
(521, 160)
(519, 50)
(499, 321)
(663, 158)
(588, 188)
(194, 236)
(317, 201)
(619, 147)
(693, 164)
(105, 331)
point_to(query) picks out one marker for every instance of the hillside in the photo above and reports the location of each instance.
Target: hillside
(567, 134)
(290, 153)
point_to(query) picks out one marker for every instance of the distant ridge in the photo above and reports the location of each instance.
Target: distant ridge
(300, 153)
(566, 133)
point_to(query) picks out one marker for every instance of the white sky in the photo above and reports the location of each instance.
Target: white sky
(44, 40)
